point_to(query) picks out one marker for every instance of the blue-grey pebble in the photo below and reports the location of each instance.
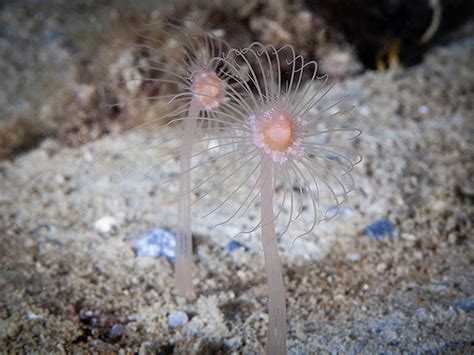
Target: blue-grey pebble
(380, 229)
(177, 319)
(156, 242)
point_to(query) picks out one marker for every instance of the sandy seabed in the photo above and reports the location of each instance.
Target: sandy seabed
(67, 287)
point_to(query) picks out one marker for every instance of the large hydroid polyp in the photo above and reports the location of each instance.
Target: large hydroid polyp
(277, 133)
(279, 109)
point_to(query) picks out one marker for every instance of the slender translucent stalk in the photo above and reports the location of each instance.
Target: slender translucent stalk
(184, 241)
(276, 343)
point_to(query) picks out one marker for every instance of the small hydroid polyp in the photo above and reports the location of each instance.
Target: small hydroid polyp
(197, 88)
(206, 92)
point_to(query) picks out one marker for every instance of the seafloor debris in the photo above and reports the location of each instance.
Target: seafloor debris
(467, 305)
(235, 244)
(108, 326)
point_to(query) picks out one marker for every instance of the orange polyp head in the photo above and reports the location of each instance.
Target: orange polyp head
(207, 89)
(278, 133)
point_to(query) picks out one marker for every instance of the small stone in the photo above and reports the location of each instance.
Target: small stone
(381, 268)
(235, 244)
(106, 225)
(241, 275)
(156, 242)
(440, 287)
(467, 304)
(379, 229)
(467, 285)
(32, 316)
(418, 255)
(409, 237)
(423, 316)
(424, 110)
(364, 111)
(116, 331)
(438, 206)
(177, 319)
(353, 257)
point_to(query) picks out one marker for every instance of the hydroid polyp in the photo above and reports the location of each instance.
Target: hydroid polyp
(278, 133)
(195, 88)
(279, 109)
(206, 92)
